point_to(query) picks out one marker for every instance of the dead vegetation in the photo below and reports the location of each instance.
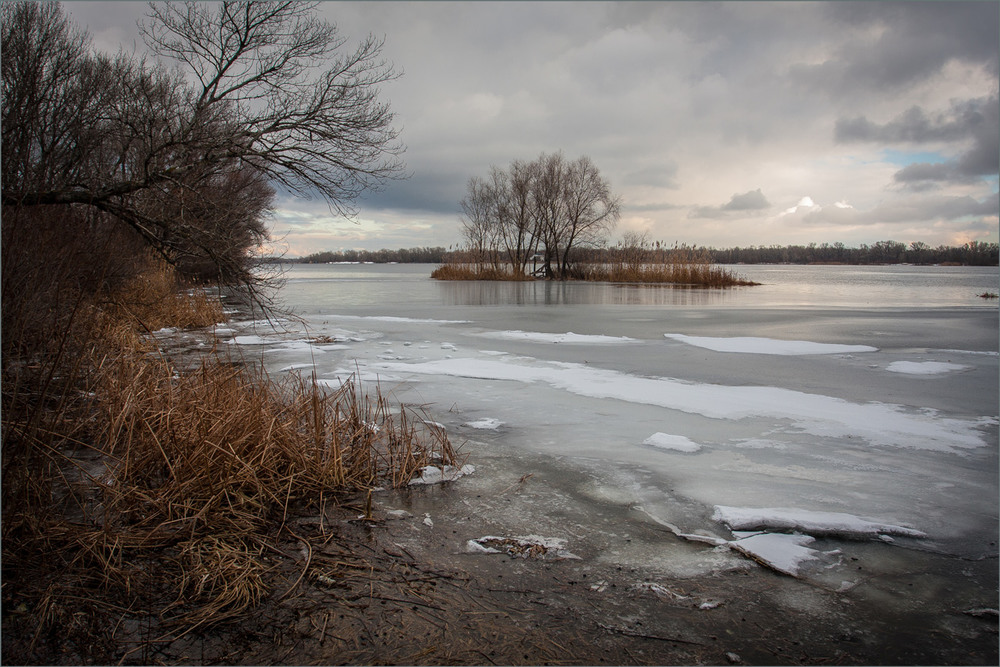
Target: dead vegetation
(142, 502)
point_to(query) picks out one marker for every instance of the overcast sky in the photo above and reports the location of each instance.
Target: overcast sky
(735, 123)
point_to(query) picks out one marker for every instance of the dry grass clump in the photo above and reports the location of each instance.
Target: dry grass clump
(640, 262)
(456, 271)
(157, 298)
(680, 273)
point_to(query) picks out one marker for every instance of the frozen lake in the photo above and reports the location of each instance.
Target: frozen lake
(849, 412)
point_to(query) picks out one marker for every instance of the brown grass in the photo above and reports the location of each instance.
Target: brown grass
(456, 271)
(698, 274)
(153, 493)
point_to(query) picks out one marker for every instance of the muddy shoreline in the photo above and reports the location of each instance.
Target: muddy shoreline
(403, 588)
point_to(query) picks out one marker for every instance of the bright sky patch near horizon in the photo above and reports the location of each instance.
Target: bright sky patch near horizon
(722, 124)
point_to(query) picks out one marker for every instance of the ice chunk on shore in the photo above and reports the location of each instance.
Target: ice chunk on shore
(780, 551)
(436, 475)
(755, 345)
(923, 367)
(676, 442)
(783, 552)
(807, 521)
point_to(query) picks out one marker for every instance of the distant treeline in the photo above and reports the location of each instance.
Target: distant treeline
(976, 253)
(402, 256)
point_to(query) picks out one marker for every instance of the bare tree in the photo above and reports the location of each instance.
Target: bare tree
(549, 204)
(294, 105)
(265, 88)
(590, 208)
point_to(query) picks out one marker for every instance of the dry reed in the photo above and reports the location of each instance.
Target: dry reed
(138, 487)
(461, 271)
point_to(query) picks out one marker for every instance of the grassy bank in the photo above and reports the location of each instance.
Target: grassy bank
(142, 501)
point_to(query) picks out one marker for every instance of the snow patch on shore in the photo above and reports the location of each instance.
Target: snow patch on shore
(755, 345)
(675, 442)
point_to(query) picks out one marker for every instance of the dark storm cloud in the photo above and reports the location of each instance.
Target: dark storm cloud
(896, 44)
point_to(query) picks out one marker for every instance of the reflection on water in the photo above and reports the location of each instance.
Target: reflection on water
(318, 288)
(547, 293)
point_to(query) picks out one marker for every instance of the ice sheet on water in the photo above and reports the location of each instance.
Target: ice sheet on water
(924, 367)
(568, 337)
(807, 521)
(878, 423)
(675, 442)
(756, 345)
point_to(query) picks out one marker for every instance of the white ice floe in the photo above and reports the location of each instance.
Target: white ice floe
(675, 442)
(924, 367)
(807, 521)
(754, 345)
(826, 416)
(568, 337)
(523, 546)
(437, 475)
(485, 424)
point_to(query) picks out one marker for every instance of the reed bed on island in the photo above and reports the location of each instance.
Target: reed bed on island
(148, 498)
(637, 262)
(474, 271)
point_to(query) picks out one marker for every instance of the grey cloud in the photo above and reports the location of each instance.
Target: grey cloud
(915, 40)
(969, 120)
(748, 202)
